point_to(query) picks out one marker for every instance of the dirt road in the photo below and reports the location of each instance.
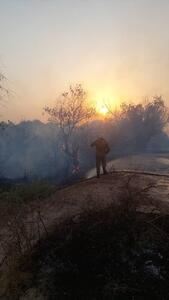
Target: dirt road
(72, 200)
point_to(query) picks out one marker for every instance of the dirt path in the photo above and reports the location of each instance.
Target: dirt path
(72, 200)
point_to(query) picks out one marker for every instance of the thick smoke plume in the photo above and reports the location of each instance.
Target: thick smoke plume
(34, 150)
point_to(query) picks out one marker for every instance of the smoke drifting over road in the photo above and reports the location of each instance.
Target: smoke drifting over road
(34, 150)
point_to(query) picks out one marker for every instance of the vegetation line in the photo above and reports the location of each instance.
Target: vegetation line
(140, 172)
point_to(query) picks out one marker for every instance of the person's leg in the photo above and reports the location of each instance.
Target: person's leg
(104, 165)
(98, 161)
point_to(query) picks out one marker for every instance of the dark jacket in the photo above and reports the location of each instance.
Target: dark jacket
(102, 147)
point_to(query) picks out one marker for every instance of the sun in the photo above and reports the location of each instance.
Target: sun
(103, 110)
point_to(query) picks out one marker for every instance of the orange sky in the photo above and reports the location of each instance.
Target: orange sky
(118, 50)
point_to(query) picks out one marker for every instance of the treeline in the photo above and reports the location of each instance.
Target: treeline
(60, 149)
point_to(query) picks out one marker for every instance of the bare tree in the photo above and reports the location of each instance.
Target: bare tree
(71, 111)
(3, 90)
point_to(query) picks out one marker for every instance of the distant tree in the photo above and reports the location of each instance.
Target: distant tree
(136, 124)
(3, 90)
(71, 111)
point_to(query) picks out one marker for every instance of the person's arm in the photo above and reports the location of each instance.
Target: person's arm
(107, 148)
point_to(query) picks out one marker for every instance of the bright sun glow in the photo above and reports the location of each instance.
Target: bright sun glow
(104, 100)
(103, 110)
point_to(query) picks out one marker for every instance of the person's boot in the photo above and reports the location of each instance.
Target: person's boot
(105, 172)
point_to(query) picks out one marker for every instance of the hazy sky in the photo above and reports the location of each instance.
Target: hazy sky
(119, 49)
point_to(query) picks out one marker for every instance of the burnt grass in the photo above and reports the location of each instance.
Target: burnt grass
(103, 254)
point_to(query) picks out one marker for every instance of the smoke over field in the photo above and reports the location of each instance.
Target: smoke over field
(34, 150)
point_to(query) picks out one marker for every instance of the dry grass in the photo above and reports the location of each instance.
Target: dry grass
(94, 254)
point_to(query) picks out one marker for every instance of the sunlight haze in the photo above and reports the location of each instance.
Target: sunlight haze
(118, 50)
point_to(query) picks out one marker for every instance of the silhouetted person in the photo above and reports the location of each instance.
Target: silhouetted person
(102, 148)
